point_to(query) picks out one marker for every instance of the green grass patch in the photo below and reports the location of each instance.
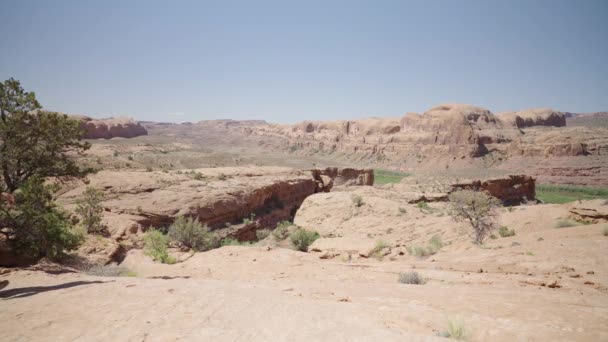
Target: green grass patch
(568, 193)
(387, 176)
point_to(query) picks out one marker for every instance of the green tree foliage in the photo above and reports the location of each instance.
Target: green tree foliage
(34, 142)
(477, 208)
(89, 209)
(33, 223)
(35, 146)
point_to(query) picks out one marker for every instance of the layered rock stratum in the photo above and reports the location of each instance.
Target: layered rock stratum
(111, 128)
(451, 137)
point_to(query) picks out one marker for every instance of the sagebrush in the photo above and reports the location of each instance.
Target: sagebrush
(302, 238)
(189, 232)
(413, 278)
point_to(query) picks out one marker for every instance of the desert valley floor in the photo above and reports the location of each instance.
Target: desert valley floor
(375, 191)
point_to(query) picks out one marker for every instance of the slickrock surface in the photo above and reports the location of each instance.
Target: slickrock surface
(516, 288)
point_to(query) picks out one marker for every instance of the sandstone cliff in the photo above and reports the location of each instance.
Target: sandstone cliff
(535, 117)
(111, 128)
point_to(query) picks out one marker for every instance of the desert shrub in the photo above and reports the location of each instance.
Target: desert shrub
(109, 271)
(605, 231)
(423, 206)
(504, 231)
(191, 233)
(456, 329)
(155, 246)
(229, 241)
(149, 169)
(412, 278)
(302, 238)
(493, 236)
(402, 210)
(90, 210)
(376, 251)
(477, 208)
(249, 220)
(262, 234)
(434, 245)
(566, 224)
(222, 176)
(357, 200)
(281, 232)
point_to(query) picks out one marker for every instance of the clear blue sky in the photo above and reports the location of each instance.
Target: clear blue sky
(287, 61)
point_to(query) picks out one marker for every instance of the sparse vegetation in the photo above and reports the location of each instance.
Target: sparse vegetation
(402, 211)
(222, 176)
(357, 200)
(412, 278)
(435, 244)
(249, 220)
(90, 210)
(229, 241)
(189, 232)
(302, 238)
(155, 246)
(387, 176)
(478, 209)
(504, 231)
(456, 329)
(281, 232)
(568, 193)
(262, 234)
(423, 206)
(605, 231)
(378, 248)
(566, 224)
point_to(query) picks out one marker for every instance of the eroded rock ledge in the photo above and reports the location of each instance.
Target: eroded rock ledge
(235, 201)
(510, 190)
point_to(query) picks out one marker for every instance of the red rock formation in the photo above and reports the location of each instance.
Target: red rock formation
(511, 190)
(346, 176)
(535, 117)
(111, 128)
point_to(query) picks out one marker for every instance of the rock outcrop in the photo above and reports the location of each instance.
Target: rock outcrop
(235, 200)
(535, 117)
(345, 176)
(446, 137)
(453, 131)
(510, 190)
(590, 212)
(111, 128)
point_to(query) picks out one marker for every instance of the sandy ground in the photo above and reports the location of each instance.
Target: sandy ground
(521, 288)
